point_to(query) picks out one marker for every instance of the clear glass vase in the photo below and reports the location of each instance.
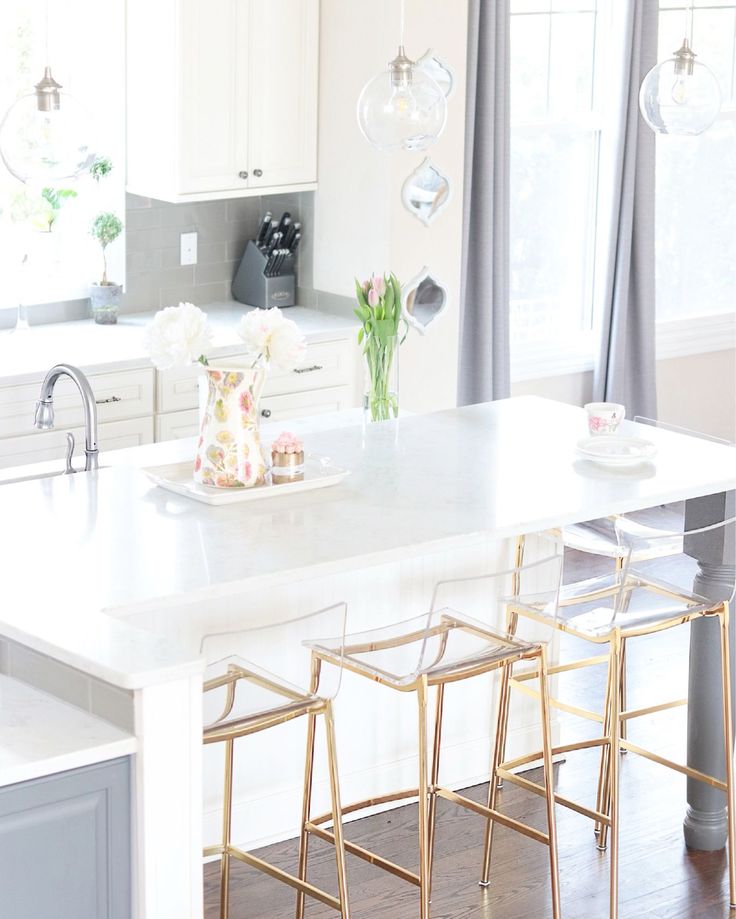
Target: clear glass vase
(381, 396)
(229, 448)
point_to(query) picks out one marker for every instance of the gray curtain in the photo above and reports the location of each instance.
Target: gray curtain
(625, 302)
(483, 369)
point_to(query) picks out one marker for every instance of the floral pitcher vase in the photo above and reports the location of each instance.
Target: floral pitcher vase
(229, 448)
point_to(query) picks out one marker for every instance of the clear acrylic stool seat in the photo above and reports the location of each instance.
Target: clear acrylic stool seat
(241, 699)
(434, 650)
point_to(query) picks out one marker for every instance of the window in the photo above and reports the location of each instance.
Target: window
(696, 178)
(86, 49)
(555, 142)
(560, 66)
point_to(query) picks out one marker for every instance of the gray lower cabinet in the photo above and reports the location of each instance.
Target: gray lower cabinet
(65, 845)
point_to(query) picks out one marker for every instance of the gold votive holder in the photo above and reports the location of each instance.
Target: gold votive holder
(287, 467)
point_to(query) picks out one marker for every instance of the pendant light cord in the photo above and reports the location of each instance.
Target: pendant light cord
(47, 34)
(401, 23)
(690, 21)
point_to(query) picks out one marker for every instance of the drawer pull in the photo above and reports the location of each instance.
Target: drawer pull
(266, 412)
(110, 399)
(308, 369)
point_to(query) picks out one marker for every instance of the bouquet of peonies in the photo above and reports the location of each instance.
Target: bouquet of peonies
(379, 310)
(181, 335)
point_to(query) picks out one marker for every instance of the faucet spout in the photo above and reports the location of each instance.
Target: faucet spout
(44, 418)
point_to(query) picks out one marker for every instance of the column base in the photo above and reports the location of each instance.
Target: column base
(705, 830)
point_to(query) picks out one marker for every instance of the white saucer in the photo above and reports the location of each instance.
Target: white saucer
(616, 450)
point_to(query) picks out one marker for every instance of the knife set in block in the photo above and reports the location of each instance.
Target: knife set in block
(266, 275)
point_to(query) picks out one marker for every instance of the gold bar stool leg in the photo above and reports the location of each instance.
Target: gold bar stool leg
(549, 783)
(619, 569)
(602, 801)
(501, 725)
(435, 775)
(728, 738)
(423, 802)
(512, 621)
(614, 769)
(307, 798)
(227, 818)
(342, 882)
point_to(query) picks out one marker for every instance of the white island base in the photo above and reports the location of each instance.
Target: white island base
(134, 576)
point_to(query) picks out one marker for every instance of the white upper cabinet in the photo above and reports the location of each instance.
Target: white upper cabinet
(222, 97)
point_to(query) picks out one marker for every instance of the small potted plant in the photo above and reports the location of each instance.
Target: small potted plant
(106, 295)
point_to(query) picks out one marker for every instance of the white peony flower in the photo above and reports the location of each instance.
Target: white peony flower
(177, 336)
(268, 334)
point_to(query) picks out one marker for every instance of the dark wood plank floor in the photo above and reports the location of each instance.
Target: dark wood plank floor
(660, 878)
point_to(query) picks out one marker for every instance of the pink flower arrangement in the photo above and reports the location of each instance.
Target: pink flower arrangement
(287, 442)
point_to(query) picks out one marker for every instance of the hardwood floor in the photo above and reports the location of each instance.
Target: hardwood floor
(660, 878)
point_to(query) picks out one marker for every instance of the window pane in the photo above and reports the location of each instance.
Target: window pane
(551, 232)
(696, 215)
(571, 65)
(529, 66)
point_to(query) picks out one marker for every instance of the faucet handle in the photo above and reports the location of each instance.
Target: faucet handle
(69, 454)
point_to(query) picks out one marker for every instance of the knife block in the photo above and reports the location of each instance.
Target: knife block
(252, 287)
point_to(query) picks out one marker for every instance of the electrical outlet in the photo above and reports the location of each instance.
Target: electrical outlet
(188, 249)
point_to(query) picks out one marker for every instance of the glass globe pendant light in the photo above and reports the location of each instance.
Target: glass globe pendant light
(402, 108)
(680, 95)
(45, 136)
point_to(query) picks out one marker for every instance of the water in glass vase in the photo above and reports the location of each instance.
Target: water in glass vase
(381, 397)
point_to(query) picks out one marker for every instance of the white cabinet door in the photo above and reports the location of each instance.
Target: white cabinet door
(213, 65)
(51, 445)
(283, 90)
(176, 425)
(301, 404)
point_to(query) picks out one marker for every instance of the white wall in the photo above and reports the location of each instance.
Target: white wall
(696, 392)
(360, 224)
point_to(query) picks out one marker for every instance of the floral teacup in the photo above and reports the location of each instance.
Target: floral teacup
(604, 417)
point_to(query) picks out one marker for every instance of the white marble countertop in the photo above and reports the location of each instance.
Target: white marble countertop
(26, 356)
(40, 735)
(82, 544)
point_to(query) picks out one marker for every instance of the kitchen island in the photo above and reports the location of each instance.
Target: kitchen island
(119, 579)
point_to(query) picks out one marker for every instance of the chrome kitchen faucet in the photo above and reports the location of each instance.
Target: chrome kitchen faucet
(44, 418)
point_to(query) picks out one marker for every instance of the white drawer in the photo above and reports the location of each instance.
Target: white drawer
(176, 425)
(127, 394)
(298, 405)
(328, 363)
(50, 445)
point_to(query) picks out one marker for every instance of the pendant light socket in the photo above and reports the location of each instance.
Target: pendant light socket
(684, 59)
(401, 69)
(47, 92)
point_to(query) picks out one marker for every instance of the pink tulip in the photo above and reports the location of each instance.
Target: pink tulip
(379, 285)
(373, 298)
(366, 286)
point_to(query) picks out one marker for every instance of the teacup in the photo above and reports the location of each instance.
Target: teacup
(604, 417)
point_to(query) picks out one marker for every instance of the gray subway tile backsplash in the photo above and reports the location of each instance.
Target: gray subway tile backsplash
(154, 276)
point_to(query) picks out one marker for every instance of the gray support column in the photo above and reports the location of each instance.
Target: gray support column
(705, 819)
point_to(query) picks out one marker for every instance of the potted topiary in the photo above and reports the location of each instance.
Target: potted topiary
(105, 296)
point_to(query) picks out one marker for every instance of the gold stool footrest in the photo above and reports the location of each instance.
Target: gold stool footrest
(488, 812)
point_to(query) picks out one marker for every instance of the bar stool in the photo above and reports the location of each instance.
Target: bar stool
(243, 699)
(434, 650)
(643, 598)
(604, 538)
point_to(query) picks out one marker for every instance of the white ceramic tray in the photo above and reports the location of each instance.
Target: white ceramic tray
(319, 472)
(615, 450)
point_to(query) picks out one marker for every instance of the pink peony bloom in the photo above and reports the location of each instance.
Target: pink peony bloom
(246, 402)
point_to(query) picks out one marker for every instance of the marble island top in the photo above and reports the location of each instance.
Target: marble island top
(73, 547)
(26, 356)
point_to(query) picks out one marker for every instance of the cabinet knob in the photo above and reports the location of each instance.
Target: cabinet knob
(266, 412)
(243, 174)
(258, 173)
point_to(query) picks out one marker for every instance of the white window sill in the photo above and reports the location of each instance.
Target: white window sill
(675, 338)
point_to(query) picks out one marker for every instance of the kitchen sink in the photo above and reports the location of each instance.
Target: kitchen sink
(13, 478)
